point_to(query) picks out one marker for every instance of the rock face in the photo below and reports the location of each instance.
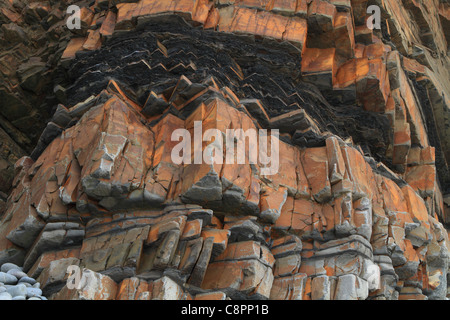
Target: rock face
(356, 121)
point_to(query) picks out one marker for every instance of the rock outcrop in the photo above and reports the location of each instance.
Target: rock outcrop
(356, 121)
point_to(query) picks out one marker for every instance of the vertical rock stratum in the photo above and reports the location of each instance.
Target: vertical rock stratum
(359, 207)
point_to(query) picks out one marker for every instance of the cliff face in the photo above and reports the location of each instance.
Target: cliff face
(358, 207)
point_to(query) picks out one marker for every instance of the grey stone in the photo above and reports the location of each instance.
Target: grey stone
(33, 292)
(320, 288)
(204, 214)
(387, 286)
(31, 75)
(51, 131)
(17, 273)
(54, 226)
(7, 278)
(19, 298)
(61, 116)
(9, 266)
(19, 290)
(382, 259)
(344, 230)
(362, 289)
(5, 296)
(79, 109)
(242, 230)
(28, 280)
(36, 285)
(417, 234)
(193, 247)
(287, 123)
(14, 34)
(291, 260)
(207, 189)
(95, 188)
(60, 93)
(48, 240)
(346, 288)
(73, 225)
(255, 108)
(108, 202)
(365, 230)
(26, 235)
(199, 270)
(437, 256)
(407, 270)
(360, 246)
(270, 215)
(166, 250)
(74, 237)
(397, 256)
(154, 105)
(291, 245)
(14, 254)
(386, 268)
(34, 298)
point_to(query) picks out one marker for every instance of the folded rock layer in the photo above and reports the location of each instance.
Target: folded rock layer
(116, 149)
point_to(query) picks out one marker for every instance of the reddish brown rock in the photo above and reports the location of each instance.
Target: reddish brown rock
(315, 161)
(361, 175)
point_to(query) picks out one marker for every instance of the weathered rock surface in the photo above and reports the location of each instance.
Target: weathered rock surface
(357, 208)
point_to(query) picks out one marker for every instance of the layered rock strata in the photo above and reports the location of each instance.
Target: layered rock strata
(356, 210)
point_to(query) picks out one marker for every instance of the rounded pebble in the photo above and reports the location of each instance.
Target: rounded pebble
(33, 292)
(17, 273)
(7, 278)
(5, 296)
(9, 266)
(28, 280)
(15, 284)
(19, 290)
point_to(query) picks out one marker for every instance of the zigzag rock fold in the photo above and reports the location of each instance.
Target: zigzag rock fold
(358, 208)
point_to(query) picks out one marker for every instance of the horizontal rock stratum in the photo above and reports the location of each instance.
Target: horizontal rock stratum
(359, 206)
